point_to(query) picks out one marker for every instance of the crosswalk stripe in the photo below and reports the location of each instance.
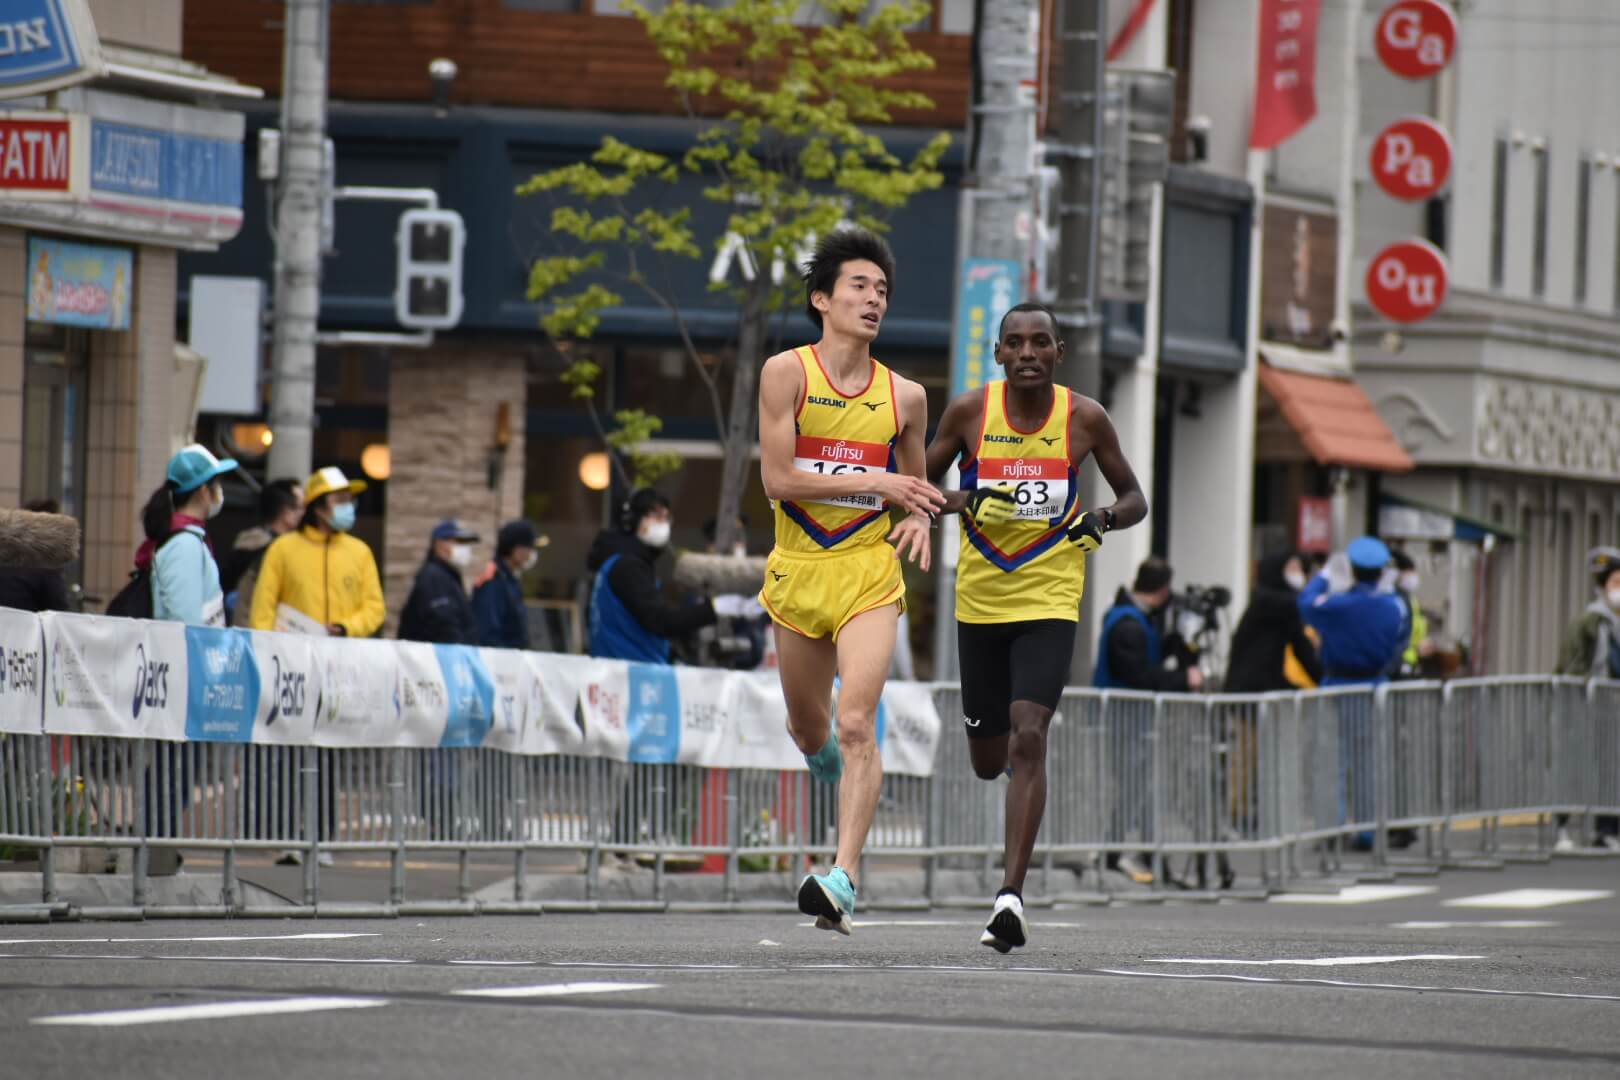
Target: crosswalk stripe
(1530, 898)
(556, 989)
(1320, 961)
(1496, 924)
(1356, 894)
(218, 1010)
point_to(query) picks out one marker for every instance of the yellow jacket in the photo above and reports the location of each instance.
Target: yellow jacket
(331, 579)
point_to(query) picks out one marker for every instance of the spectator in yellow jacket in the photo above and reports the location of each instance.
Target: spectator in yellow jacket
(318, 570)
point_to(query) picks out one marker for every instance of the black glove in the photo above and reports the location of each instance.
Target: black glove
(1087, 532)
(991, 505)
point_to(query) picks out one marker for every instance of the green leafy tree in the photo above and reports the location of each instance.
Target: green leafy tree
(784, 144)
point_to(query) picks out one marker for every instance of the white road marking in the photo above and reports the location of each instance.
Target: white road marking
(861, 923)
(556, 990)
(661, 967)
(495, 963)
(768, 941)
(144, 940)
(1321, 961)
(235, 959)
(219, 1010)
(1501, 924)
(1530, 898)
(1361, 985)
(1356, 894)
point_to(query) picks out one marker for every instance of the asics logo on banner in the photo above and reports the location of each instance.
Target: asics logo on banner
(151, 683)
(874, 406)
(286, 693)
(1049, 440)
(1023, 468)
(19, 671)
(1004, 438)
(831, 403)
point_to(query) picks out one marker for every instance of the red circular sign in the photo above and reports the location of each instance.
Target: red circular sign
(1406, 282)
(1411, 159)
(1417, 37)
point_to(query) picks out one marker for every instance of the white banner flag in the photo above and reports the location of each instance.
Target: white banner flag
(22, 672)
(289, 689)
(122, 677)
(360, 699)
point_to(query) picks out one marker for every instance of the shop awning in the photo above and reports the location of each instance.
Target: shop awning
(1413, 519)
(1334, 420)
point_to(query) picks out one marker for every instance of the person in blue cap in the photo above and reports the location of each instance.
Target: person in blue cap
(177, 551)
(438, 610)
(1364, 630)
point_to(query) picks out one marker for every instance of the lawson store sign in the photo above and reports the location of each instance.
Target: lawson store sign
(45, 44)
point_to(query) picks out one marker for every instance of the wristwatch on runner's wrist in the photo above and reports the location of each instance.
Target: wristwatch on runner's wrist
(1108, 520)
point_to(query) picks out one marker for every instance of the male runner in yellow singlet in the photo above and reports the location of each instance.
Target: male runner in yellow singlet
(1025, 539)
(841, 442)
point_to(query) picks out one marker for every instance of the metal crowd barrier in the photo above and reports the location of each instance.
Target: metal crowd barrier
(1294, 779)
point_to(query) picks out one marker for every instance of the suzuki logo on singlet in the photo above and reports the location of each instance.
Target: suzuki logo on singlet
(1023, 468)
(838, 451)
(1003, 438)
(832, 403)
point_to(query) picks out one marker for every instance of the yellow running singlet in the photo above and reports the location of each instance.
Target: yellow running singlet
(1025, 568)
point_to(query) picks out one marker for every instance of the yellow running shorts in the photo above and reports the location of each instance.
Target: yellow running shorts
(816, 595)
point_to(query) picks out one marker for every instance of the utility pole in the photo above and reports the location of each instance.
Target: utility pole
(997, 215)
(1079, 150)
(298, 239)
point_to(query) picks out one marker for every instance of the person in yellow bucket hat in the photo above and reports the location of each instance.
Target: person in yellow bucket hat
(320, 578)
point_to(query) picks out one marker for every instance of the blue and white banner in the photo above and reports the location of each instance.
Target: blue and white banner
(131, 678)
(22, 672)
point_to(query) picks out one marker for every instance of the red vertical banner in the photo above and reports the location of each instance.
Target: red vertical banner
(1285, 74)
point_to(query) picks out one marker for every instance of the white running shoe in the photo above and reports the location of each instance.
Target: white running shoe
(1564, 842)
(1007, 929)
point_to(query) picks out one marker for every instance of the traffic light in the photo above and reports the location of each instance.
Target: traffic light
(427, 288)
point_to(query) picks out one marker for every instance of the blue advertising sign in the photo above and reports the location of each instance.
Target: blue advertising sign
(472, 695)
(152, 164)
(986, 289)
(223, 686)
(45, 44)
(654, 720)
(79, 284)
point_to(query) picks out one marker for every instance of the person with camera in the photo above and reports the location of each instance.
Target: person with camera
(629, 619)
(1025, 540)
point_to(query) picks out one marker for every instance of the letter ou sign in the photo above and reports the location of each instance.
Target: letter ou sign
(1407, 281)
(1416, 38)
(1411, 159)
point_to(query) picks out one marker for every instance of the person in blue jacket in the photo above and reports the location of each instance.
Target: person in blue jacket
(503, 620)
(629, 617)
(185, 575)
(1364, 631)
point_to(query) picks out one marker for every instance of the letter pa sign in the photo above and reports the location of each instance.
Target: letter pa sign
(1406, 282)
(1416, 38)
(1411, 158)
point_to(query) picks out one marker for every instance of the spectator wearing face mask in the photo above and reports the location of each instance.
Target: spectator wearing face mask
(438, 610)
(502, 617)
(629, 617)
(1269, 628)
(1591, 650)
(1418, 645)
(318, 578)
(185, 576)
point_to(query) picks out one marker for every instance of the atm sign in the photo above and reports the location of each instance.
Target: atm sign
(36, 154)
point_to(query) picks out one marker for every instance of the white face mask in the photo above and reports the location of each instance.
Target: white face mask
(1295, 579)
(461, 555)
(1614, 599)
(529, 563)
(214, 508)
(655, 534)
(1410, 582)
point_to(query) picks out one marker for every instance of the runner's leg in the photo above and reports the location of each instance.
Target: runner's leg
(1026, 794)
(806, 666)
(865, 647)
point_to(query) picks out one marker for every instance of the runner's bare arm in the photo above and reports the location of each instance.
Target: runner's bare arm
(1097, 430)
(950, 443)
(912, 536)
(781, 383)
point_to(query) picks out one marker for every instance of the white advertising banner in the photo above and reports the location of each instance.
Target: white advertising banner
(424, 699)
(122, 677)
(604, 704)
(289, 688)
(758, 737)
(557, 722)
(22, 672)
(911, 727)
(360, 696)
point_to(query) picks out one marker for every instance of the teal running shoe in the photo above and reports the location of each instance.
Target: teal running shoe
(830, 898)
(827, 764)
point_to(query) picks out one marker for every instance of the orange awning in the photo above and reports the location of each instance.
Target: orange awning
(1335, 420)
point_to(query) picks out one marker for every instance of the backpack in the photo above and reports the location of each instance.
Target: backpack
(134, 600)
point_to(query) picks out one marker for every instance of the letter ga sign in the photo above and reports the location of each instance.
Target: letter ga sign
(1406, 282)
(1416, 38)
(1411, 158)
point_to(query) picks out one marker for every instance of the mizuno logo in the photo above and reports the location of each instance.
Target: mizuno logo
(832, 403)
(874, 405)
(1004, 438)
(778, 577)
(1050, 441)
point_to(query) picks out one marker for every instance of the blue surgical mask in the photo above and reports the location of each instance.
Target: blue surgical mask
(343, 517)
